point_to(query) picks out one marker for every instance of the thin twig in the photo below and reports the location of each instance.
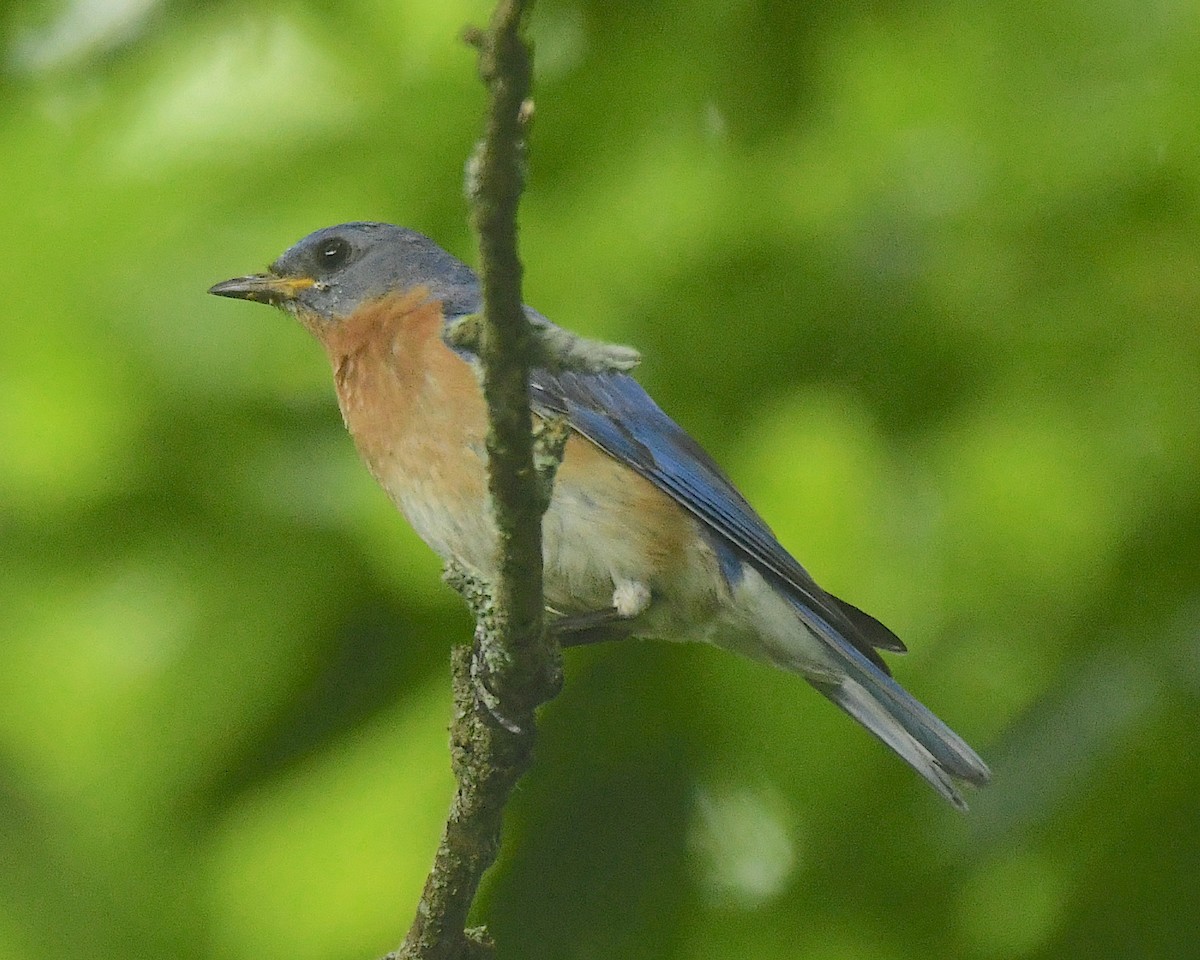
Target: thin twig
(513, 660)
(506, 68)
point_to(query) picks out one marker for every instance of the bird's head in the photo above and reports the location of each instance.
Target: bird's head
(327, 276)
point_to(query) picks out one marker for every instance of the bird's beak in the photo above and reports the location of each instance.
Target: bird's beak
(263, 288)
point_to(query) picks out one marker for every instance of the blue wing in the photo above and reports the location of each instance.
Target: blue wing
(616, 414)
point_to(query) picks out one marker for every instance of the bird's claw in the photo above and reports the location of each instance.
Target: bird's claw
(487, 702)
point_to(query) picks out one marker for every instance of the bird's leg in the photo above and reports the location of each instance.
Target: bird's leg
(596, 626)
(631, 598)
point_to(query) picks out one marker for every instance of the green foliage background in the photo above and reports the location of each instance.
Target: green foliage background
(924, 276)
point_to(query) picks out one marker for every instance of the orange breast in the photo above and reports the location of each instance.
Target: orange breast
(416, 412)
(417, 416)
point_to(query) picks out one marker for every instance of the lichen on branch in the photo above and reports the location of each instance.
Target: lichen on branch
(551, 347)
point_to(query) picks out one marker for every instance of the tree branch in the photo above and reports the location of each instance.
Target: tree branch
(513, 662)
(506, 67)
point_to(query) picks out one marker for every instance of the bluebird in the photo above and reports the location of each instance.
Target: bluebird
(645, 535)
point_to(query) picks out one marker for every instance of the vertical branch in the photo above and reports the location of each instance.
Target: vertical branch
(513, 662)
(518, 665)
(514, 667)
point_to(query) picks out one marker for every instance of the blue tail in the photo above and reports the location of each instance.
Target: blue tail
(895, 716)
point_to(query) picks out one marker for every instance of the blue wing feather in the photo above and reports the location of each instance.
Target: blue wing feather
(616, 414)
(619, 417)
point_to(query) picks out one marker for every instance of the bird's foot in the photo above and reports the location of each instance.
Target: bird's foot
(487, 701)
(631, 599)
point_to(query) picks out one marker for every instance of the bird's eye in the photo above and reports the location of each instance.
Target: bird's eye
(333, 253)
